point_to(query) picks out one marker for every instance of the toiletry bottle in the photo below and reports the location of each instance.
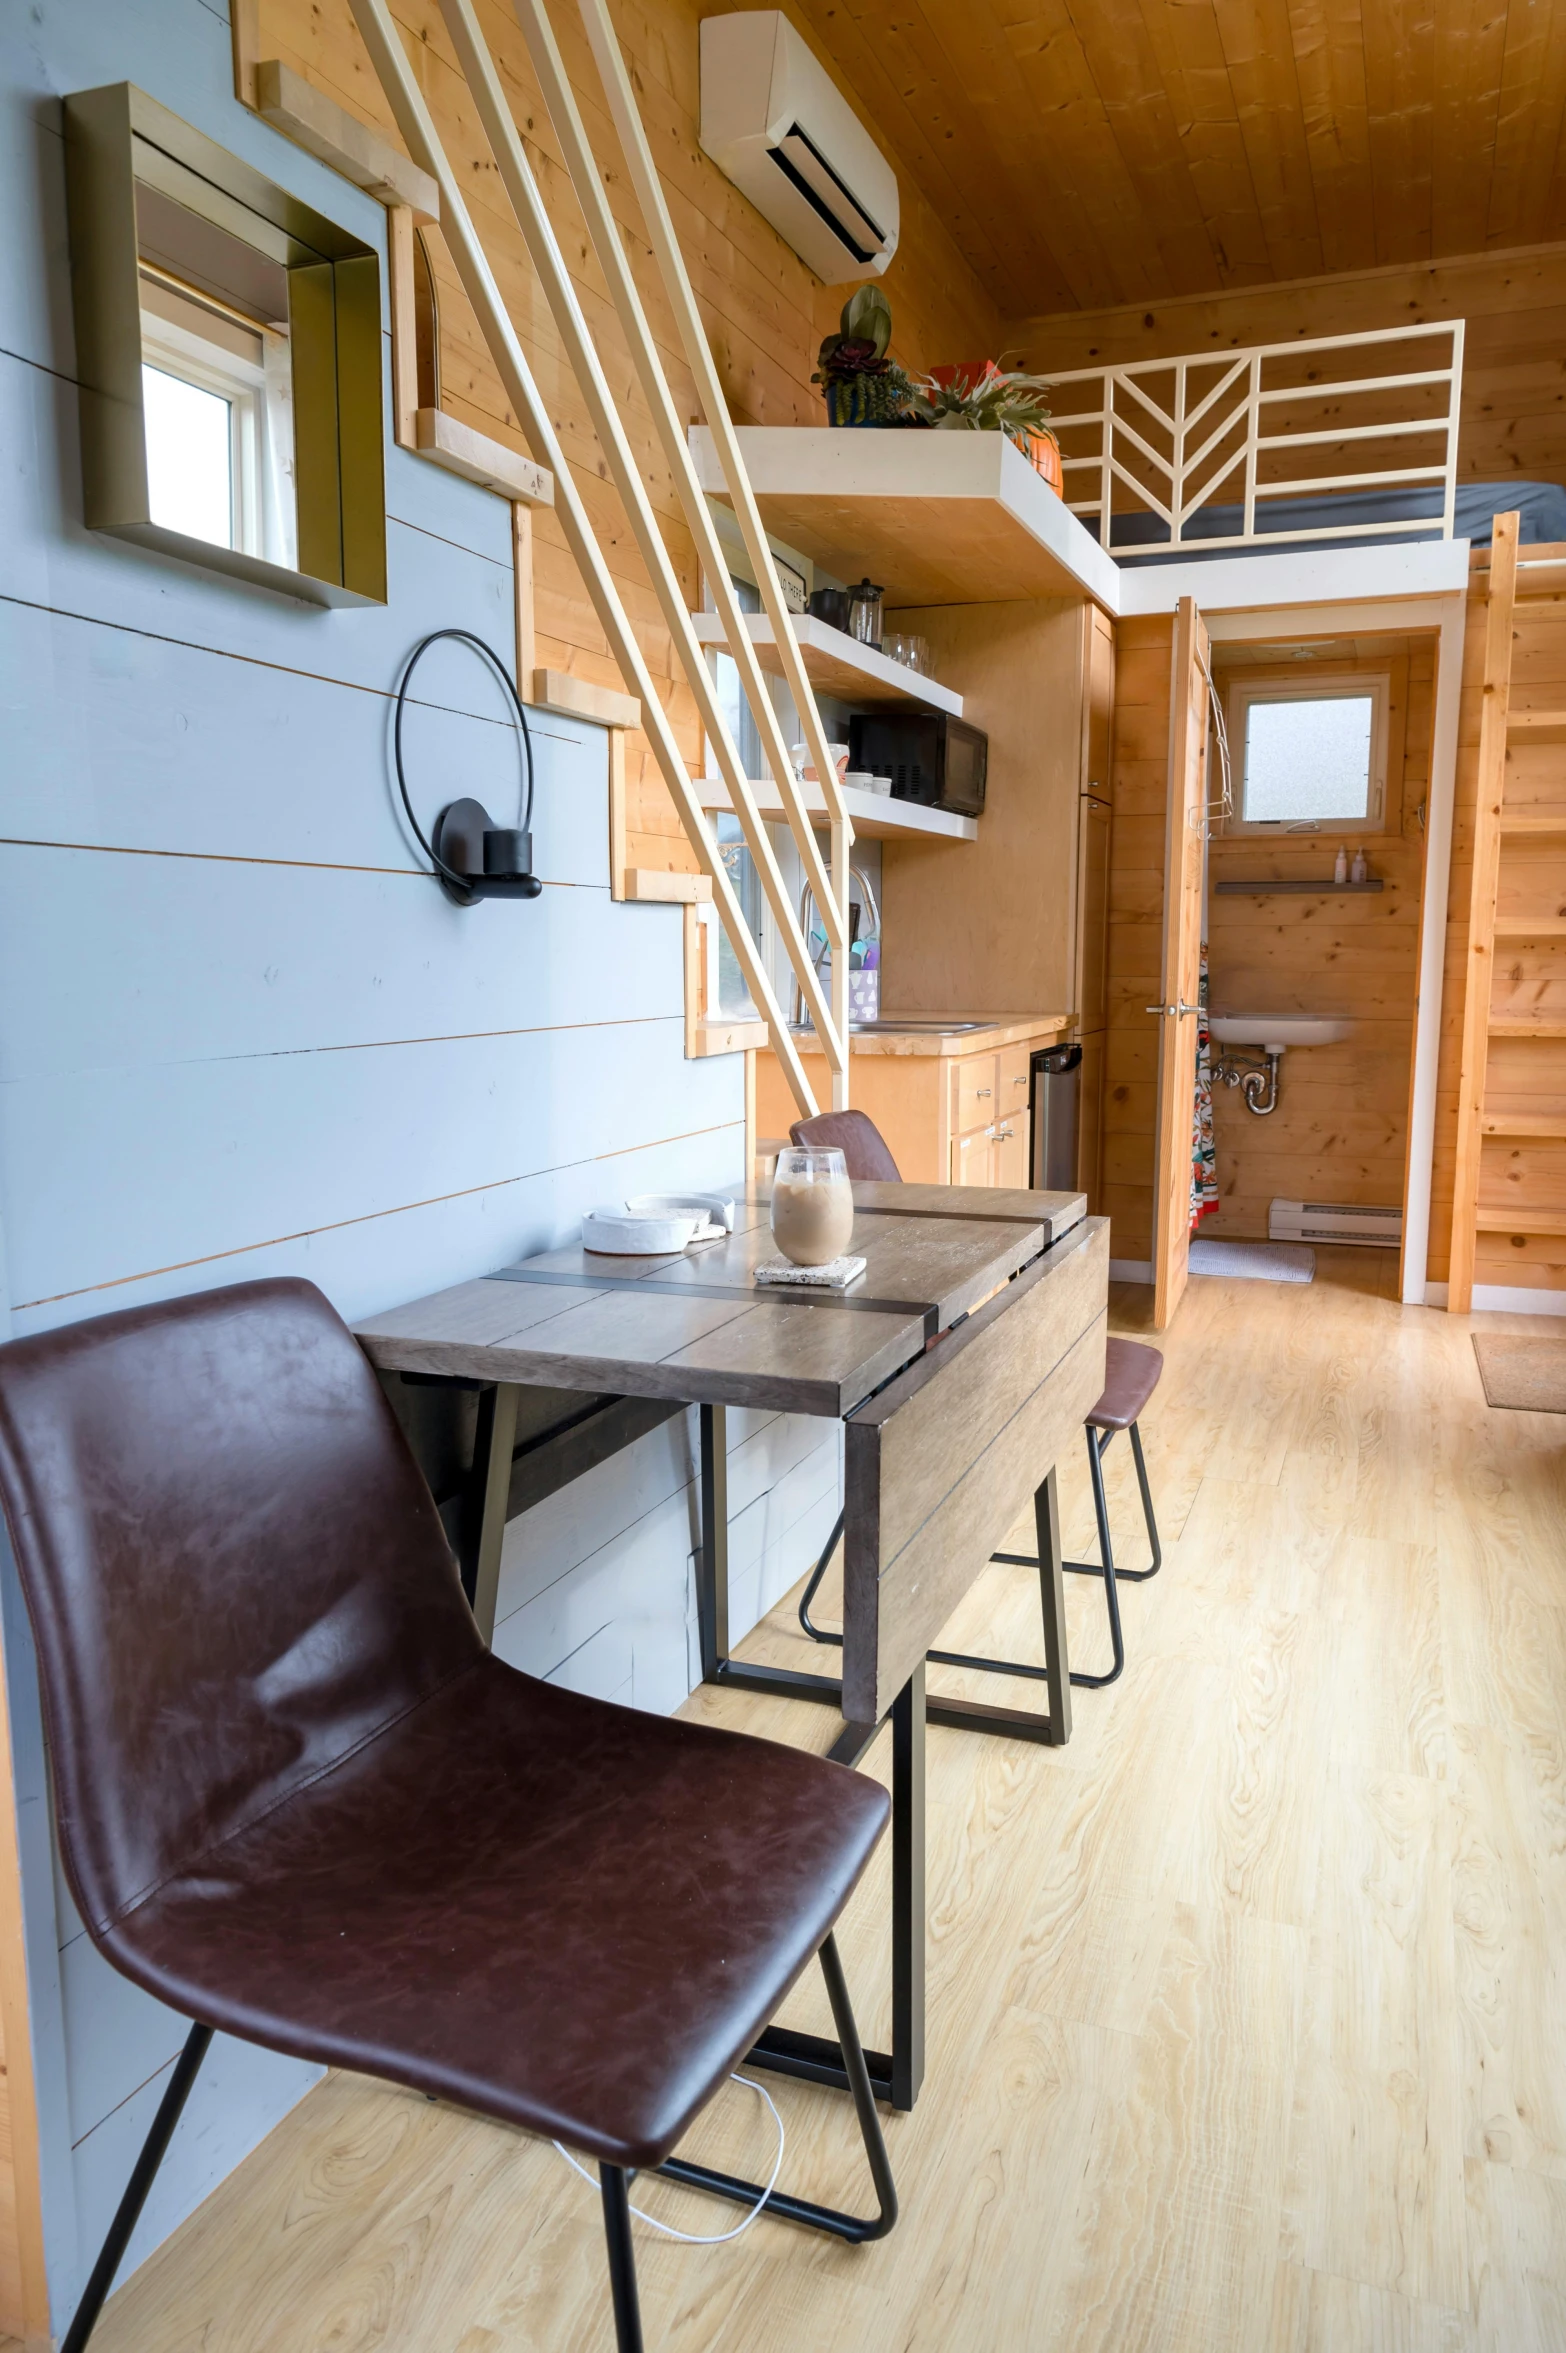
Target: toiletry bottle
(1360, 870)
(1340, 866)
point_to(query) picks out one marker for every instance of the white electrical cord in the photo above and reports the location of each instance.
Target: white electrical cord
(695, 2238)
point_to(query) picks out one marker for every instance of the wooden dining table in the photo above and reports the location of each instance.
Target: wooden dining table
(961, 1363)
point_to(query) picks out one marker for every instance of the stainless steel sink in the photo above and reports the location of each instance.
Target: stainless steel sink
(912, 1027)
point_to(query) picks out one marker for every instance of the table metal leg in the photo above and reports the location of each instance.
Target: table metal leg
(1052, 1592)
(483, 1528)
(712, 1556)
(908, 1896)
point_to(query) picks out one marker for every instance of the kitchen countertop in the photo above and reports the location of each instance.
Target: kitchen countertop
(998, 1029)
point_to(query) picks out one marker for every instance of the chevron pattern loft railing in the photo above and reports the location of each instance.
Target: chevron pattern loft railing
(1210, 449)
(830, 888)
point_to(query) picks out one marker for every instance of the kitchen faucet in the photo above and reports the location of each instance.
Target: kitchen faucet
(807, 898)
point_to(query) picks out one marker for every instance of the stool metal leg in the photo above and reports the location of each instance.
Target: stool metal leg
(176, 2093)
(1137, 1576)
(1106, 1567)
(821, 1633)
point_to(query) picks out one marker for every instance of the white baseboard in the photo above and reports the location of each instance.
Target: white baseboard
(1130, 1270)
(1502, 1299)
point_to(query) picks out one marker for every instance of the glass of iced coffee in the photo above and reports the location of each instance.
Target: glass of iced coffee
(812, 1205)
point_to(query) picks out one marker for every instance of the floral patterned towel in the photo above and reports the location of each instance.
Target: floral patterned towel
(1204, 1153)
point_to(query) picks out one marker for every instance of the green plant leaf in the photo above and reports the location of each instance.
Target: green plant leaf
(868, 314)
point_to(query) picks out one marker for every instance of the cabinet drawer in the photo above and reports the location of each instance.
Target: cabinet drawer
(1011, 1085)
(976, 1102)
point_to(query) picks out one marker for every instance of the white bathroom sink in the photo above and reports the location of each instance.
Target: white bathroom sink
(1274, 1031)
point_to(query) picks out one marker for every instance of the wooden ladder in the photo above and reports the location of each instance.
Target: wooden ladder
(1494, 827)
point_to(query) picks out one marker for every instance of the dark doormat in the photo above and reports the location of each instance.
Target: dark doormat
(1529, 1376)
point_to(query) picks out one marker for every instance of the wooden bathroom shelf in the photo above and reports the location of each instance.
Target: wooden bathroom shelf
(1265, 890)
(1521, 1221)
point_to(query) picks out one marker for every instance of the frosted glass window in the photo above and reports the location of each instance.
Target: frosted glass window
(1310, 758)
(190, 457)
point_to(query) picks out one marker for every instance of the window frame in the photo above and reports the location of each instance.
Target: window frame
(1312, 686)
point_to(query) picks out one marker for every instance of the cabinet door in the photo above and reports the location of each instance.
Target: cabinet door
(1011, 1149)
(973, 1158)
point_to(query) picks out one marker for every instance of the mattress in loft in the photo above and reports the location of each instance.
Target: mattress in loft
(1542, 506)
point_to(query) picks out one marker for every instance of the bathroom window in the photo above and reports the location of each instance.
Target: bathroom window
(1309, 756)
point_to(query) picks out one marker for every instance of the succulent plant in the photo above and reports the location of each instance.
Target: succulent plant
(862, 385)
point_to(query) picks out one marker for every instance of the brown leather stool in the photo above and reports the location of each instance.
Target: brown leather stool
(298, 1800)
(1131, 1374)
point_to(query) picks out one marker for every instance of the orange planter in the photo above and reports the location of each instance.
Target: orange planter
(1044, 452)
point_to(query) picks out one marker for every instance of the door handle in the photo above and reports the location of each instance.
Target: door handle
(1176, 1010)
(979, 1093)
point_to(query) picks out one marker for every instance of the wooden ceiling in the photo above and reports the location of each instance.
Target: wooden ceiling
(1089, 152)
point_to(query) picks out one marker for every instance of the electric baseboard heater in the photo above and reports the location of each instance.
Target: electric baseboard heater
(1335, 1221)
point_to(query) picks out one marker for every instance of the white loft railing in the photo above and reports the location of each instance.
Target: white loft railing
(1179, 446)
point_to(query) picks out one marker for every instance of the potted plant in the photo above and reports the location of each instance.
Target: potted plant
(977, 396)
(862, 386)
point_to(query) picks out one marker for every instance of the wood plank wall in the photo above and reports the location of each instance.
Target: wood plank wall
(1524, 1074)
(765, 311)
(1340, 1132)
(1514, 379)
(1143, 655)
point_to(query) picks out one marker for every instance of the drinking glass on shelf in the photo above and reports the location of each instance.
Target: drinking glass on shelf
(812, 1205)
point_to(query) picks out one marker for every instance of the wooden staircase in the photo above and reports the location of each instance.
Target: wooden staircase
(1510, 1169)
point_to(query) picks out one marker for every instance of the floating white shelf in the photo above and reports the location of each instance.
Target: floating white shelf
(936, 518)
(875, 815)
(837, 664)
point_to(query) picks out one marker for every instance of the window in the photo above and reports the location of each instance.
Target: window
(218, 417)
(1309, 753)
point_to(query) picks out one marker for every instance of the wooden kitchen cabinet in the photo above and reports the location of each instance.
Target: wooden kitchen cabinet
(953, 1108)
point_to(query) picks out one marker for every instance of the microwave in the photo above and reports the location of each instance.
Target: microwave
(929, 756)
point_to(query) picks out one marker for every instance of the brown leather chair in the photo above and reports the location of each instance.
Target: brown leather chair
(857, 1137)
(298, 1800)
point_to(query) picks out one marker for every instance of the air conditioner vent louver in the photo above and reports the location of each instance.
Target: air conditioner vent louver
(801, 161)
(1369, 1226)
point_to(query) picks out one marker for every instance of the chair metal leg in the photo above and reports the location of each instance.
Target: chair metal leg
(787, 2208)
(622, 2258)
(819, 1633)
(144, 2173)
(1138, 1576)
(1106, 1568)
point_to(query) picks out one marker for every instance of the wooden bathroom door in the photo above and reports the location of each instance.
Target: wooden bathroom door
(1180, 983)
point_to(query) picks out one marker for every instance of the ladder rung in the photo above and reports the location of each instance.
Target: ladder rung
(1530, 927)
(1529, 822)
(1521, 1221)
(1506, 1027)
(1544, 1125)
(1527, 719)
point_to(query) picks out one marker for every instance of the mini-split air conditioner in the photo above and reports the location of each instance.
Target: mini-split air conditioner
(774, 120)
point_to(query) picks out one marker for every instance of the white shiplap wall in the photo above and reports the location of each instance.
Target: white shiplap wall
(240, 1035)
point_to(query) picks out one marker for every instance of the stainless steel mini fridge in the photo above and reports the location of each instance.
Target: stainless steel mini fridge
(1055, 1106)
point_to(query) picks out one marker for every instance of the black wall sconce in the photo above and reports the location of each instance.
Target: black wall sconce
(472, 857)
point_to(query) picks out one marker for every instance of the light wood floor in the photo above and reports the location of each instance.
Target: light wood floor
(1247, 2017)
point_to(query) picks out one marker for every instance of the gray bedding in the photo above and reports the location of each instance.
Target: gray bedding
(1542, 506)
